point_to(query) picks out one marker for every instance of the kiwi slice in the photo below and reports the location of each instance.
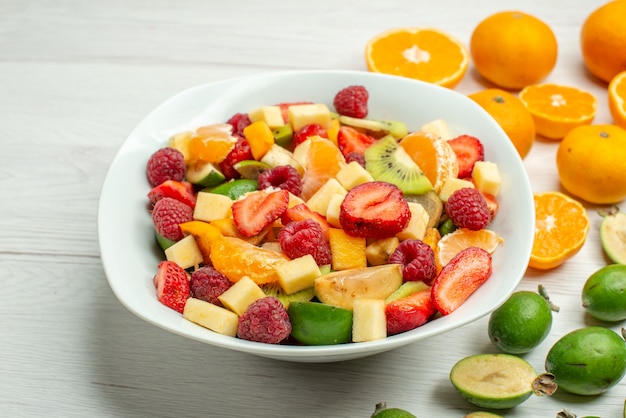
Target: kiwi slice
(387, 161)
(377, 128)
(431, 202)
(274, 289)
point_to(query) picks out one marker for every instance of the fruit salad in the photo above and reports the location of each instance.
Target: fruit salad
(313, 224)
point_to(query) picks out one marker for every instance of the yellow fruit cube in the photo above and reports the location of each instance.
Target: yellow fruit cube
(438, 127)
(321, 198)
(451, 185)
(347, 252)
(211, 316)
(333, 210)
(369, 322)
(486, 176)
(204, 233)
(272, 115)
(240, 295)
(185, 253)
(298, 274)
(180, 141)
(352, 175)
(379, 251)
(260, 138)
(306, 114)
(211, 206)
(417, 225)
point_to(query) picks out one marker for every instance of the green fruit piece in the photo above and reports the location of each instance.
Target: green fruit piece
(446, 227)
(382, 411)
(250, 169)
(163, 242)
(274, 289)
(236, 188)
(204, 174)
(432, 203)
(498, 381)
(283, 135)
(378, 128)
(387, 161)
(482, 414)
(613, 236)
(315, 323)
(604, 293)
(521, 323)
(407, 289)
(588, 361)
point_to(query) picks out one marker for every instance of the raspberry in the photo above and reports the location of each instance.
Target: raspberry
(265, 321)
(304, 237)
(207, 284)
(355, 156)
(352, 101)
(165, 164)
(167, 214)
(283, 177)
(467, 208)
(306, 131)
(239, 121)
(240, 152)
(418, 260)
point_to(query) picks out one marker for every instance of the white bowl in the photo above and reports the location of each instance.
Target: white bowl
(126, 235)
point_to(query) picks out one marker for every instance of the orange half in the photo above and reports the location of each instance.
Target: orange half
(617, 99)
(451, 244)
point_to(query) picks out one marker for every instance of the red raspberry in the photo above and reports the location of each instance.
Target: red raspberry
(418, 260)
(467, 208)
(167, 214)
(208, 284)
(239, 121)
(306, 131)
(352, 101)
(283, 177)
(265, 321)
(240, 152)
(165, 164)
(299, 238)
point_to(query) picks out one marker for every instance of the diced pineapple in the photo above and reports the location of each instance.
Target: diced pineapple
(212, 206)
(211, 316)
(294, 200)
(417, 225)
(347, 252)
(438, 127)
(379, 251)
(298, 274)
(272, 115)
(320, 199)
(334, 209)
(369, 322)
(452, 185)
(260, 137)
(180, 141)
(352, 175)
(278, 155)
(185, 253)
(306, 114)
(486, 176)
(240, 295)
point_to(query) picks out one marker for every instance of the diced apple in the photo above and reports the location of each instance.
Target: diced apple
(486, 176)
(185, 253)
(240, 295)
(369, 322)
(452, 185)
(333, 210)
(272, 115)
(379, 251)
(180, 141)
(438, 127)
(211, 316)
(352, 175)
(306, 114)
(212, 206)
(321, 198)
(417, 225)
(278, 155)
(298, 274)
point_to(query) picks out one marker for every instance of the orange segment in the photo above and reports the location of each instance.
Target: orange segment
(204, 233)
(236, 258)
(451, 244)
(558, 109)
(323, 161)
(561, 226)
(211, 143)
(617, 99)
(347, 252)
(425, 54)
(433, 155)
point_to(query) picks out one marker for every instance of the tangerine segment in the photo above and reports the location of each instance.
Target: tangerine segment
(425, 54)
(322, 162)
(617, 99)
(561, 226)
(236, 258)
(434, 156)
(558, 109)
(211, 143)
(451, 244)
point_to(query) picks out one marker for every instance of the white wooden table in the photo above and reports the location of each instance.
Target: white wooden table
(76, 77)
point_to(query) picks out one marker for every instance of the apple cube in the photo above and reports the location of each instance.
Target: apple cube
(334, 209)
(486, 176)
(272, 115)
(452, 185)
(211, 316)
(278, 155)
(438, 127)
(298, 274)
(369, 322)
(185, 253)
(417, 225)
(352, 175)
(321, 198)
(379, 251)
(306, 114)
(240, 295)
(212, 206)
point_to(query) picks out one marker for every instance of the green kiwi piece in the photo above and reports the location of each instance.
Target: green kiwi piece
(387, 161)
(283, 135)
(431, 202)
(394, 128)
(274, 289)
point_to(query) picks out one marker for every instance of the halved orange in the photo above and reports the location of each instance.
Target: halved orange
(451, 244)
(557, 109)
(434, 156)
(617, 99)
(561, 226)
(425, 54)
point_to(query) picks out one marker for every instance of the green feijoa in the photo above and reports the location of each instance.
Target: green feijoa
(588, 361)
(382, 411)
(205, 175)
(315, 323)
(482, 414)
(251, 169)
(612, 232)
(235, 188)
(604, 293)
(521, 323)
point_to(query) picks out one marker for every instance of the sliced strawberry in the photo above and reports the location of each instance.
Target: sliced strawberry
(179, 190)
(375, 209)
(284, 108)
(409, 312)
(302, 212)
(172, 285)
(468, 150)
(350, 140)
(258, 210)
(458, 279)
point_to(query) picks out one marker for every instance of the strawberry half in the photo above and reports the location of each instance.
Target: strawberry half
(350, 140)
(258, 210)
(409, 312)
(172, 285)
(458, 279)
(302, 212)
(468, 150)
(375, 209)
(179, 190)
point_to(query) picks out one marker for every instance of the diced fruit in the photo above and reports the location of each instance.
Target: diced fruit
(274, 289)
(227, 228)
(353, 175)
(240, 152)
(407, 289)
(342, 288)
(179, 190)
(333, 210)
(298, 274)
(486, 177)
(437, 127)
(284, 108)
(319, 324)
(378, 252)
(468, 150)
(350, 140)
(307, 114)
(240, 295)
(259, 209)
(211, 206)
(204, 233)
(308, 131)
(234, 189)
(277, 156)
(163, 242)
(283, 135)
(451, 186)
(368, 320)
(347, 252)
(211, 316)
(431, 202)
(321, 198)
(204, 174)
(410, 312)
(185, 253)
(272, 115)
(172, 285)
(461, 277)
(612, 233)
(180, 141)
(376, 128)
(416, 228)
(260, 137)
(211, 143)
